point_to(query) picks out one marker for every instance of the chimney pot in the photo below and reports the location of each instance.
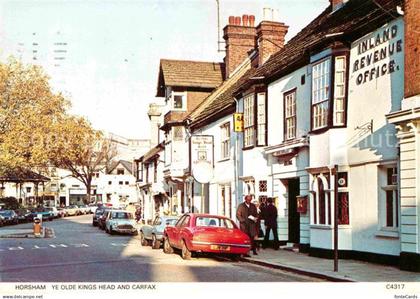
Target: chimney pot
(245, 20)
(238, 21)
(251, 20)
(231, 20)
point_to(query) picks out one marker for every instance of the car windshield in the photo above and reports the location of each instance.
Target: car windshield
(171, 221)
(214, 221)
(121, 215)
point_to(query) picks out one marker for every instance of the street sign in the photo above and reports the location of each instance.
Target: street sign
(238, 122)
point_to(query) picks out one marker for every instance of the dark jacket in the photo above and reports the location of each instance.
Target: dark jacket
(248, 226)
(270, 215)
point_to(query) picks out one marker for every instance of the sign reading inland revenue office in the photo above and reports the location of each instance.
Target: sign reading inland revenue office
(201, 150)
(376, 54)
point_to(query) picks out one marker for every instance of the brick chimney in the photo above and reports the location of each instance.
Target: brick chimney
(337, 4)
(270, 36)
(240, 40)
(412, 48)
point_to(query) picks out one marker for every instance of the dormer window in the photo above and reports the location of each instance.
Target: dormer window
(179, 101)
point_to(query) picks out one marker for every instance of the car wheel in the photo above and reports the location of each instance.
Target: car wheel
(111, 232)
(235, 257)
(143, 240)
(155, 242)
(167, 248)
(185, 252)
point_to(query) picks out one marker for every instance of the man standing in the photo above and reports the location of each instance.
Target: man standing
(247, 216)
(270, 221)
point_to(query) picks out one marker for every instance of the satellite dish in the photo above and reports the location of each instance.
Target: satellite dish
(202, 172)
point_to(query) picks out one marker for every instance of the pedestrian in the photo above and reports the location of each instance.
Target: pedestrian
(270, 221)
(138, 214)
(247, 216)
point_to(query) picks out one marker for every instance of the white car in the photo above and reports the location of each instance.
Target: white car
(120, 221)
(53, 210)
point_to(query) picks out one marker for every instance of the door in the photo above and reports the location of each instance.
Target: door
(294, 216)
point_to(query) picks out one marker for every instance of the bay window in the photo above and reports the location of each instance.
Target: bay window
(249, 116)
(329, 88)
(320, 94)
(339, 90)
(261, 119)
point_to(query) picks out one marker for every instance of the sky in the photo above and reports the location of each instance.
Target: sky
(113, 47)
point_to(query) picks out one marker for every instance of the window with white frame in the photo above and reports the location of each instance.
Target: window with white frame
(179, 101)
(261, 119)
(225, 141)
(389, 199)
(321, 212)
(320, 94)
(339, 90)
(249, 116)
(290, 115)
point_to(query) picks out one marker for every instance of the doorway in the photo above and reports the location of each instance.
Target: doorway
(294, 216)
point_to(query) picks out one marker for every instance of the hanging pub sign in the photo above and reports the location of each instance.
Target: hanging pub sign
(201, 150)
(238, 122)
(302, 204)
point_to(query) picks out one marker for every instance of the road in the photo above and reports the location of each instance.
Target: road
(83, 253)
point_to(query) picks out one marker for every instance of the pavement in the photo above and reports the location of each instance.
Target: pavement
(348, 270)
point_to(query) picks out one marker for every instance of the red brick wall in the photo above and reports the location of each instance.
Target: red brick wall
(239, 41)
(412, 48)
(270, 39)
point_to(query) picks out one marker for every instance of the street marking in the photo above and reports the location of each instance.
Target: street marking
(58, 245)
(38, 247)
(120, 244)
(80, 245)
(15, 248)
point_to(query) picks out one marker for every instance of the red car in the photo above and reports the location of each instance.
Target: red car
(205, 233)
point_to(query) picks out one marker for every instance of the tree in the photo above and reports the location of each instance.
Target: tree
(28, 111)
(81, 150)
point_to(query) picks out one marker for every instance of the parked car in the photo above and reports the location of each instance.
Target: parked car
(62, 212)
(153, 234)
(95, 218)
(1, 220)
(102, 218)
(93, 207)
(73, 210)
(53, 211)
(120, 221)
(24, 215)
(9, 216)
(45, 213)
(205, 233)
(84, 209)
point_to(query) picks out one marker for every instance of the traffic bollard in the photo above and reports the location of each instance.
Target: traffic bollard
(37, 227)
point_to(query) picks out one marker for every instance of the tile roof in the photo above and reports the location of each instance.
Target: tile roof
(183, 73)
(23, 175)
(126, 164)
(355, 19)
(221, 101)
(153, 152)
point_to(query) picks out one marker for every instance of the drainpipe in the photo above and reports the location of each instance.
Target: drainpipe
(236, 162)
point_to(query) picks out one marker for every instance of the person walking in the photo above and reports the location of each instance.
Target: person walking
(270, 221)
(247, 216)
